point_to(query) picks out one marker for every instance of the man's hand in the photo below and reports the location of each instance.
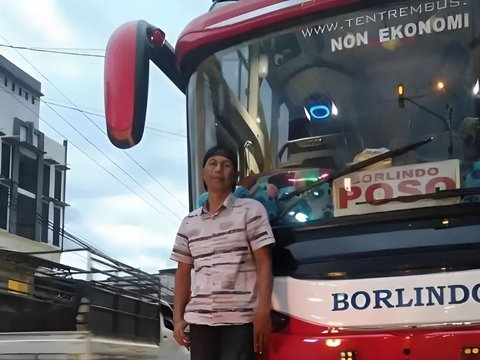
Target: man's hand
(262, 326)
(179, 334)
(181, 297)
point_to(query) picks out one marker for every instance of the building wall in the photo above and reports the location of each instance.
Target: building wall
(13, 105)
(17, 100)
(32, 166)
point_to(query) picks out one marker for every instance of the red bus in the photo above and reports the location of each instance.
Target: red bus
(357, 125)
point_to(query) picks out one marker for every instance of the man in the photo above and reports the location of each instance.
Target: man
(227, 243)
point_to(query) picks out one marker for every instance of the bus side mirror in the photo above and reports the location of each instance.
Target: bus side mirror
(126, 83)
(129, 51)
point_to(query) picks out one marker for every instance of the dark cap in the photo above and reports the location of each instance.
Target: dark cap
(220, 150)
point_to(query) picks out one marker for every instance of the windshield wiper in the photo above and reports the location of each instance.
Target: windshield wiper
(358, 166)
(438, 194)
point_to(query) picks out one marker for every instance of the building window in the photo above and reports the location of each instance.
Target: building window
(6, 156)
(28, 173)
(20, 91)
(26, 216)
(45, 222)
(26, 95)
(46, 180)
(33, 100)
(58, 185)
(5, 82)
(23, 133)
(13, 86)
(4, 203)
(56, 226)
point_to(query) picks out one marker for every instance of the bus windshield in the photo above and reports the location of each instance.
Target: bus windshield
(300, 104)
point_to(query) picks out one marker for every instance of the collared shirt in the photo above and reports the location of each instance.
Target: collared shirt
(220, 246)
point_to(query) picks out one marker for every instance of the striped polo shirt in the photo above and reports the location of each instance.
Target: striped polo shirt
(219, 246)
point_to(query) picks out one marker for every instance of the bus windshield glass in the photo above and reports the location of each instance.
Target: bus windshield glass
(331, 91)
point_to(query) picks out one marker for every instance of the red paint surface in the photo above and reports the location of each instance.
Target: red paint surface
(119, 82)
(196, 34)
(303, 340)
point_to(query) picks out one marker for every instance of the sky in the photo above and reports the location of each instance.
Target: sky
(135, 225)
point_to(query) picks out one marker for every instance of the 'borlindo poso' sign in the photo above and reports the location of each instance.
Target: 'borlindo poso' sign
(394, 23)
(362, 192)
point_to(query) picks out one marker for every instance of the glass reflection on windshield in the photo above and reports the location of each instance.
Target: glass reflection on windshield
(305, 103)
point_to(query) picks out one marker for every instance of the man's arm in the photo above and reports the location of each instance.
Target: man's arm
(260, 237)
(263, 264)
(181, 297)
(262, 320)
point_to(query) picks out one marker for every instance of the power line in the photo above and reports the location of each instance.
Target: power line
(113, 162)
(118, 166)
(94, 145)
(125, 152)
(92, 159)
(103, 116)
(58, 52)
(72, 108)
(84, 113)
(75, 107)
(51, 225)
(165, 131)
(112, 263)
(68, 48)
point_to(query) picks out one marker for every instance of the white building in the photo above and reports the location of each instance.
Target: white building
(32, 169)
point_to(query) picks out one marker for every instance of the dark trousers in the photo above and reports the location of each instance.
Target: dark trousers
(231, 342)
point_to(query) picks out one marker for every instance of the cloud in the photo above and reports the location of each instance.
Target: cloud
(129, 209)
(127, 237)
(126, 228)
(167, 171)
(150, 263)
(45, 22)
(103, 211)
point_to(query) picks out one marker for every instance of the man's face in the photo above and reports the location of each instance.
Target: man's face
(218, 174)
